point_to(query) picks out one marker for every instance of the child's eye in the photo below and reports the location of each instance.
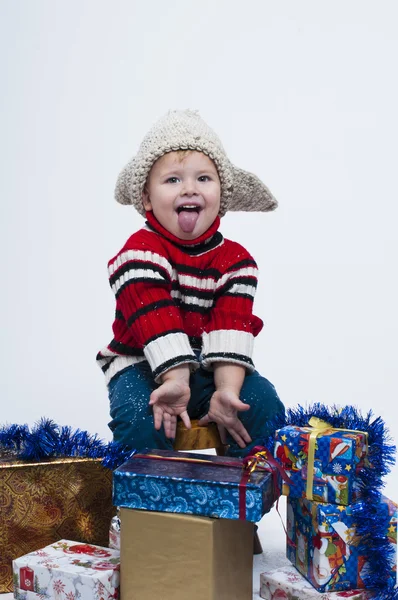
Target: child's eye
(203, 178)
(172, 180)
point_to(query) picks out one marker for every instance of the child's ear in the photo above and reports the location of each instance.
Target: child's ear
(145, 199)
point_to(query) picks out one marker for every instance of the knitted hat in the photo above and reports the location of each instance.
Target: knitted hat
(186, 130)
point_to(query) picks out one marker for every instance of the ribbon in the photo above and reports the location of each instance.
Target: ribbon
(321, 427)
(258, 460)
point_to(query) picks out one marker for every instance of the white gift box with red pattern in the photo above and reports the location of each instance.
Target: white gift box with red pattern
(286, 583)
(67, 570)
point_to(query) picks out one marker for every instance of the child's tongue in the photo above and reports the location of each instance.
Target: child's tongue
(187, 220)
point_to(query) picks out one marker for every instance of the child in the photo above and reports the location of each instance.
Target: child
(184, 327)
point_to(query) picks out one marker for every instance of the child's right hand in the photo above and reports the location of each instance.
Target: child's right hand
(170, 400)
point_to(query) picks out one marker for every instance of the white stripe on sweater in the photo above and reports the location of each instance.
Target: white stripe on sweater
(135, 274)
(201, 283)
(221, 341)
(246, 272)
(192, 299)
(241, 288)
(168, 347)
(142, 255)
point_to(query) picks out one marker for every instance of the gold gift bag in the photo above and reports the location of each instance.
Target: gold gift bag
(43, 502)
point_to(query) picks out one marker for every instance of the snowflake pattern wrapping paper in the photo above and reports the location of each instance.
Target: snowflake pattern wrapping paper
(286, 583)
(338, 457)
(323, 545)
(67, 570)
(197, 488)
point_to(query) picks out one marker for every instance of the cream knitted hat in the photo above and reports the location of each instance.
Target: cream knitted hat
(186, 130)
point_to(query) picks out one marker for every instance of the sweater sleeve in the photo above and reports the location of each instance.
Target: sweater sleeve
(141, 279)
(230, 332)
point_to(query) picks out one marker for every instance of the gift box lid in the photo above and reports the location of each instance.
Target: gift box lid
(72, 557)
(188, 466)
(286, 583)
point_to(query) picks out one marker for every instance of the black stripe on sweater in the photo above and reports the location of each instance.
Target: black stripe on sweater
(123, 349)
(149, 308)
(252, 281)
(191, 308)
(163, 334)
(231, 355)
(183, 358)
(184, 269)
(192, 291)
(247, 262)
(108, 364)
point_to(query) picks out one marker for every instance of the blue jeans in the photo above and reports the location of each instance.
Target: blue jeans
(132, 417)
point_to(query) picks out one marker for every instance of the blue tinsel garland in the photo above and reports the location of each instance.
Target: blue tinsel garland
(48, 440)
(370, 527)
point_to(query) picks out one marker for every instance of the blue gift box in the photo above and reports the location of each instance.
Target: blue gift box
(322, 543)
(196, 488)
(339, 455)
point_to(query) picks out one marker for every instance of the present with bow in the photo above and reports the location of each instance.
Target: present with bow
(321, 461)
(328, 545)
(198, 484)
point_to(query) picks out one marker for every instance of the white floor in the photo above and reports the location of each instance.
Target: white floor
(272, 537)
(273, 540)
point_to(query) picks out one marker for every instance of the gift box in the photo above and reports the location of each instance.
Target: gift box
(114, 533)
(323, 546)
(286, 583)
(175, 557)
(198, 484)
(44, 502)
(337, 456)
(67, 570)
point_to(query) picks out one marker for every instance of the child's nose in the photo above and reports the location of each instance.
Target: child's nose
(189, 188)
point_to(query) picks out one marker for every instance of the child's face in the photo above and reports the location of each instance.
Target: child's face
(184, 194)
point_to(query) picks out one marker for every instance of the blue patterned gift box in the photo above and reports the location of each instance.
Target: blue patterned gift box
(323, 546)
(197, 488)
(339, 455)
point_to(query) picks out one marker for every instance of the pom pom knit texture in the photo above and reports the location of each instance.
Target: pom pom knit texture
(186, 130)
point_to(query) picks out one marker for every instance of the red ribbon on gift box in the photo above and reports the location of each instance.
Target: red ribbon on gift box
(259, 459)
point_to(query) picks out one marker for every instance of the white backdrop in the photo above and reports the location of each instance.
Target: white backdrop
(304, 94)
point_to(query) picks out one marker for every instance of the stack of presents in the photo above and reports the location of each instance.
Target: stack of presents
(186, 522)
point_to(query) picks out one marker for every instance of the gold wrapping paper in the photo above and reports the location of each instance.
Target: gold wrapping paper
(41, 503)
(175, 557)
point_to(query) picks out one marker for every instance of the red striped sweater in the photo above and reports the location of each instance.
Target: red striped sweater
(173, 296)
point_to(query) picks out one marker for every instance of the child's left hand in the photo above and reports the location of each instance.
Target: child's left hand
(224, 408)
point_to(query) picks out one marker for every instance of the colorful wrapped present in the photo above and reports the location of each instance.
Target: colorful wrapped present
(286, 583)
(114, 532)
(67, 570)
(321, 461)
(197, 484)
(323, 545)
(180, 557)
(44, 501)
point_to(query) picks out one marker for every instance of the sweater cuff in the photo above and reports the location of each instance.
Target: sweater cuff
(169, 351)
(228, 345)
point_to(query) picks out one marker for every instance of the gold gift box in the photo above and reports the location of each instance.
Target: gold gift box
(175, 557)
(43, 502)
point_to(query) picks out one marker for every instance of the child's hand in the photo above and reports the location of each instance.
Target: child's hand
(224, 408)
(170, 400)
